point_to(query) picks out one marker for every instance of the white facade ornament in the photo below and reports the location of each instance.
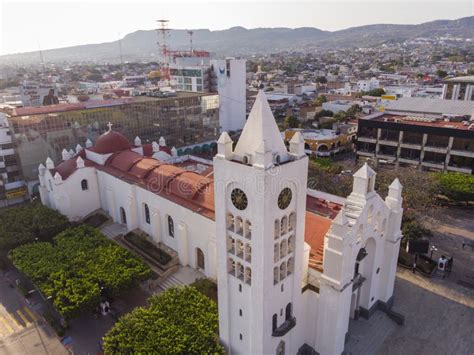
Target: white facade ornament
(137, 141)
(224, 146)
(80, 163)
(174, 152)
(162, 142)
(49, 163)
(88, 143)
(155, 146)
(65, 154)
(78, 148)
(297, 145)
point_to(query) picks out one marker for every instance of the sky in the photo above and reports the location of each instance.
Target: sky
(27, 25)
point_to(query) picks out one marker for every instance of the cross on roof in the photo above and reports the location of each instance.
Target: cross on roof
(110, 126)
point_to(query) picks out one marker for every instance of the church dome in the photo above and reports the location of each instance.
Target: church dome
(111, 142)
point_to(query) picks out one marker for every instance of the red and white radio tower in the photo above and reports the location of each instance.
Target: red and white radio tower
(164, 31)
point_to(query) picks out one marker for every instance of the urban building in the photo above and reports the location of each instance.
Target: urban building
(225, 77)
(185, 118)
(12, 189)
(459, 88)
(322, 142)
(423, 107)
(292, 265)
(428, 142)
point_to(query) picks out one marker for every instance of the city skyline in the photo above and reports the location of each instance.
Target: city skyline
(49, 25)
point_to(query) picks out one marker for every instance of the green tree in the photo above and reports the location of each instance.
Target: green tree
(321, 80)
(375, 92)
(441, 73)
(291, 122)
(81, 266)
(27, 223)
(320, 100)
(456, 186)
(180, 320)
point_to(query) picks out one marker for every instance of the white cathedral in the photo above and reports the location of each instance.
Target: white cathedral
(292, 264)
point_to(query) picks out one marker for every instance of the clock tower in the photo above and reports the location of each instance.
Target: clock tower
(260, 204)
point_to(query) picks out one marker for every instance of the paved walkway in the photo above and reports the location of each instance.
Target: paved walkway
(114, 229)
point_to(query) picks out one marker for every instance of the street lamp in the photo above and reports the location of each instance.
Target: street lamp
(433, 248)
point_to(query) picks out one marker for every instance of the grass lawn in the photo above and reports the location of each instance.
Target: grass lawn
(147, 247)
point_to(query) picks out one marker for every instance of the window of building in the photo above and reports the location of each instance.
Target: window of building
(147, 213)
(248, 253)
(50, 185)
(240, 336)
(288, 311)
(84, 185)
(284, 225)
(290, 266)
(277, 229)
(292, 223)
(248, 275)
(291, 244)
(248, 229)
(231, 267)
(274, 322)
(275, 275)
(240, 271)
(230, 222)
(276, 252)
(240, 312)
(282, 270)
(239, 227)
(283, 248)
(240, 249)
(230, 245)
(170, 227)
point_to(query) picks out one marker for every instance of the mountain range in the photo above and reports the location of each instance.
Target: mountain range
(236, 41)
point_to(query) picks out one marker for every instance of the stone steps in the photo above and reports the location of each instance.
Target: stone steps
(170, 281)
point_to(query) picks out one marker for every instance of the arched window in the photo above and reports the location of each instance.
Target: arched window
(240, 271)
(292, 223)
(230, 222)
(288, 311)
(291, 244)
(277, 159)
(377, 221)
(248, 252)
(240, 249)
(170, 227)
(281, 348)
(384, 225)
(248, 229)
(239, 226)
(277, 229)
(284, 225)
(283, 248)
(84, 185)
(230, 245)
(282, 270)
(274, 322)
(360, 233)
(275, 275)
(123, 215)
(147, 213)
(290, 266)
(231, 266)
(248, 275)
(276, 252)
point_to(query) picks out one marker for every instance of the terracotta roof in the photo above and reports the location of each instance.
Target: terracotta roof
(111, 142)
(315, 229)
(66, 168)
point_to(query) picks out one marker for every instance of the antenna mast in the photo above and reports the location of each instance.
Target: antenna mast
(164, 31)
(41, 57)
(121, 55)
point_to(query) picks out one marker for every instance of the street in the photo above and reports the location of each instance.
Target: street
(22, 330)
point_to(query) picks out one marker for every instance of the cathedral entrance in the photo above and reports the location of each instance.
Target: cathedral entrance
(200, 259)
(123, 216)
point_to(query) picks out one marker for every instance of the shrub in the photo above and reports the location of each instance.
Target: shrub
(456, 186)
(79, 268)
(180, 320)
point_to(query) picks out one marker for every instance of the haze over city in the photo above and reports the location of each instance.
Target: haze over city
(56, 24)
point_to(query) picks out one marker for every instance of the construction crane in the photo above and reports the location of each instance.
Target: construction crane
(191, 41)
(163, 32)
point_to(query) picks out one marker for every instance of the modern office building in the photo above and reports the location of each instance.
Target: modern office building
(428, 142)
(185, 118)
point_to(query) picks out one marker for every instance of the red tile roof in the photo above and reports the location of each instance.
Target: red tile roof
(315, 230)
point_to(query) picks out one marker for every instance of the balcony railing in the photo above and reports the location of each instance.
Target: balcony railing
(285, 327)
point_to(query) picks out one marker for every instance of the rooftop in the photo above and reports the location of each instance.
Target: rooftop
(461, 79)
(421, 121)
(433, 106)
(24, 111)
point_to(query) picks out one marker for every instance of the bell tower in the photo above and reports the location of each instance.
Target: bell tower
(260, 202)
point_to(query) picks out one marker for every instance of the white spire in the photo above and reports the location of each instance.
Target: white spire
(138, 141)
(174, 152)
(260, 126)
(155, 146)
(88, 143)
(80, 163)
(78, 148)
(71, 153)
(65, 154)
(365, 172)
(49, 163)
(224, 146)
(162, 142)
(297, 145)
(41, 169)
(57, 177)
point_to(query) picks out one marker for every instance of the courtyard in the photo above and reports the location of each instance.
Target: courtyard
(438, 311)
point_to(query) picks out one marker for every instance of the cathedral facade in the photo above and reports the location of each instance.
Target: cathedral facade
(292, 264)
